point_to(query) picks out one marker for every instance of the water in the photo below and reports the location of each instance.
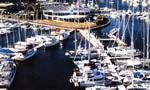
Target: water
(50, 69)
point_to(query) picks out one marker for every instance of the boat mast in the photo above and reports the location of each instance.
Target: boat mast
(14, 38)
(24, 28)
(89, 50)
(7, 40)
(1, 15)
(132, 47)
(75, 36)
(147, 54)
(19, 32)
(124, 28)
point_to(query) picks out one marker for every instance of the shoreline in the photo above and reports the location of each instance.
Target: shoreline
(94, 27)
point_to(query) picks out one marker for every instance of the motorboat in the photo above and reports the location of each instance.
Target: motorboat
(60, 34)
(51, 41)
(28, 50)
(7, 73)
(123, 51)
(10, 53)
(84, 52)
(37, 40)
(89, 78)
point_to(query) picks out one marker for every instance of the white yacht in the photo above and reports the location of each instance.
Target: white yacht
(123, 51)
(89, 78)
(92, 72)
(27, 50)
(83, 52)
(51, 41)
(60, 34)
(7, 74)
(38, 40)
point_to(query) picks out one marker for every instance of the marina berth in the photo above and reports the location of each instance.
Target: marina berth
(101, 60)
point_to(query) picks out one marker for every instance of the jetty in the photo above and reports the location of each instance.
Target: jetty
(92, 39)
(97, 44)
(115, 38)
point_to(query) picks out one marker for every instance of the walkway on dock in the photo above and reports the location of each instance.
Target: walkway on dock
(92, 39)
(112, 36)
(120, 87)
(97, 44)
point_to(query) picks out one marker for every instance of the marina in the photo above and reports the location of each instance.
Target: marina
(93, 45)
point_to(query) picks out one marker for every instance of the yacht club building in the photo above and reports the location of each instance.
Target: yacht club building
(66, 12)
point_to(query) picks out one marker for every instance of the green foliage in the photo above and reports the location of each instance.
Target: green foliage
(26, 16)
(32, 8)
(98, 11)
(100, 20)
(101, 17)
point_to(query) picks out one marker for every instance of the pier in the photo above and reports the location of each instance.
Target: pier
(92, 39)
(120, 87)
(97, 44)
(112, 36)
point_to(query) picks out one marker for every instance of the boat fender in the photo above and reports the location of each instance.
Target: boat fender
(76, 84)
(70, 80)
(66, 53)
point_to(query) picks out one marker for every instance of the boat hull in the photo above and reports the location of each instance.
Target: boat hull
(30, 54)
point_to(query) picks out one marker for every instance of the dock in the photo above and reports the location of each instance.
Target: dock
(97, 44)
(120, 87)
(92, 39)
(115, 38)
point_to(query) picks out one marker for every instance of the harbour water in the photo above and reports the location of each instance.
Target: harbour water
(50, 69)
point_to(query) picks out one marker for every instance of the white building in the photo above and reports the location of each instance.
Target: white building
(66, 12)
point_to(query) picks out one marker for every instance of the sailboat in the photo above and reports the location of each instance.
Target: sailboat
(26, 49)
(122, 51)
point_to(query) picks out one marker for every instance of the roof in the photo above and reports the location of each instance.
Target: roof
(65, 8)
(6, 51)
(6, 4)
(71, 16)
(56, 7)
